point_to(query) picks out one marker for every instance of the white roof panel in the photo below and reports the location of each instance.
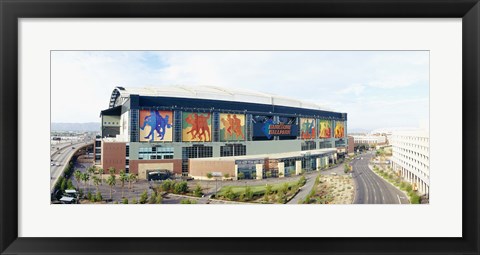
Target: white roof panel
(217, 93)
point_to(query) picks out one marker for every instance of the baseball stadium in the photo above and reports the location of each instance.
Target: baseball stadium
(192, 131)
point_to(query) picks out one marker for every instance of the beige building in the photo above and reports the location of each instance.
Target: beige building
(263, 165)
(411, 158)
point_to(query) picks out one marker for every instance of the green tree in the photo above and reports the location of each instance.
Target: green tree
(111, 170)
(96, 181)
(143, 197)
(63, 185)
(123, 179)
(131, 179)
(78, 178)
(100, 171)
(85, 177)
(91, 171)
(70, 185)
(111, 181)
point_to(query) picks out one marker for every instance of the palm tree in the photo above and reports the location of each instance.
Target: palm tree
(78, 177)
(91, 171)
(111, 170)
(101, 172)
(131, 178)
(85, 177)
(123, 179)
(96, 181)
(111, 181)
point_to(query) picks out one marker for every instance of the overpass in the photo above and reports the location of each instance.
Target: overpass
(62, 156)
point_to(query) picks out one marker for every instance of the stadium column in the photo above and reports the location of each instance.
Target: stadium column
(298, 167)
(318, 164)
(259, 171)
(281, 169)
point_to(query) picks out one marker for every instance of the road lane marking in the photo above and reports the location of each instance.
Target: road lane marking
(399, 201)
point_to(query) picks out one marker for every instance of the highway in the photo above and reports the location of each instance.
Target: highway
(371, 188)
(60, 158)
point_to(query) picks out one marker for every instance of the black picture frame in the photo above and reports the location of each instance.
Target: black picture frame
(11, 11)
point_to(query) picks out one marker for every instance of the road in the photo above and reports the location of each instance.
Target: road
(371, 188)
(60, 158)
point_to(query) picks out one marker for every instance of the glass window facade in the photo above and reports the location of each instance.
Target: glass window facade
(198, 151)
(229, 150)
(149, 153)
(248, 168)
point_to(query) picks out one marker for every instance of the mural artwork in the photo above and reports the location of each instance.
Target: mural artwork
(339, 129)
(325, 128)
(232, 127)
(155, 126)
(197, 127)
(307, 128)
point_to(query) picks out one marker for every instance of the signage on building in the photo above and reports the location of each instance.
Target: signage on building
(270, 129)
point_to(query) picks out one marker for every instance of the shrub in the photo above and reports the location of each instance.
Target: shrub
(167, 185)
(134, 201)
(241, 197)
(180, 187)
(187, 201)
(268, 189)
(159, 199)
(98, 196)
(153, 198)
(248, 193)
(125, 201)
(89, 195)
(301, 181)
(408, 187)
(229, 194)
(198, 191)
(415, 199)
(143, 197)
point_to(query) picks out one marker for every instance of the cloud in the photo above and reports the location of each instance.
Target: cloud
(365, 84)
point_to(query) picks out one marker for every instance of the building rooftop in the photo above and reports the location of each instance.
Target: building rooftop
(121, 94)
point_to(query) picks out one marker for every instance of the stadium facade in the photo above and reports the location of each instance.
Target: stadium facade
(190, 131)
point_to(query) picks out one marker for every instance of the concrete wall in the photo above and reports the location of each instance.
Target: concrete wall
(176, 165)
(144, 167)
(199, 168)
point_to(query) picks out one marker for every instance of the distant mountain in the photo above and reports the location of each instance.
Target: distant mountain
(89, 126)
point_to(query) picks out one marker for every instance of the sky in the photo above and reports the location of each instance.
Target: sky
(377, 89)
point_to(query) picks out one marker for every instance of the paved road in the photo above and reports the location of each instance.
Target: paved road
(372, 189)
(60, 158)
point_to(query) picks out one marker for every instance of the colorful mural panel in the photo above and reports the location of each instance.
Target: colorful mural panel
(325, 127)
(339, 129)
(196, 127)
(232, 127)
(307, 128)
(155, 126)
